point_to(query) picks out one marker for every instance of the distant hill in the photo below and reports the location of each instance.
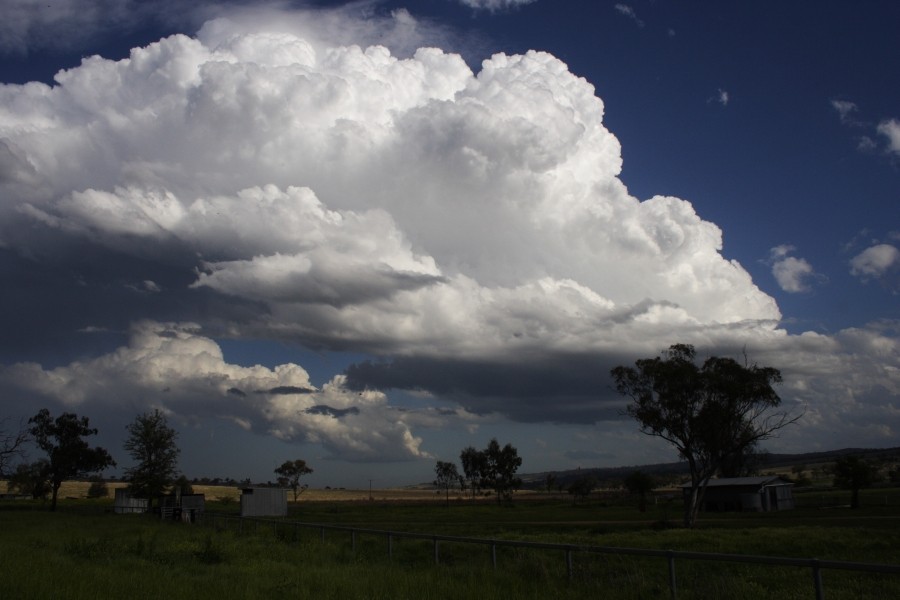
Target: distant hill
(676, 470)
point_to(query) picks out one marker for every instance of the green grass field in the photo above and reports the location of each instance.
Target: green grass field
(84, 552)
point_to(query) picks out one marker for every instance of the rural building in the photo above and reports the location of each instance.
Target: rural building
(182, 507)
(263, 502)
(746, 494)
(125, 503)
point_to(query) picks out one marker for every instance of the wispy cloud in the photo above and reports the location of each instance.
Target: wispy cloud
(845, 110)
(627, 11)
(495, 5)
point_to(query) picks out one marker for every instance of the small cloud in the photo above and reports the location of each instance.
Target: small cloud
(891, 130)
(875, 262)
(792, 274)
(627, 11)
(866, 144)
(844, 109)
(723, 97)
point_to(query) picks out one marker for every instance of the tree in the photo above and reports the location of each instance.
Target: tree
(289, 474)
(447, 477)
(11, 446)
(711, 414)
(32, 479)
(582, 488)
(152, 445)
(499, 470)
(69, 455)
(183, 485)
(640, 484)
(473, 464)
(854, 473)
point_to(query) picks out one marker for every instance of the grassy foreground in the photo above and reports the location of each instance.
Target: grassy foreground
(86, 553)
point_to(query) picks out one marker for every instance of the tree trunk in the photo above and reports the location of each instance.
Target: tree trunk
(54, 495)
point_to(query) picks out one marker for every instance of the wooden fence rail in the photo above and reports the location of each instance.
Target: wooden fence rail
(816, 566)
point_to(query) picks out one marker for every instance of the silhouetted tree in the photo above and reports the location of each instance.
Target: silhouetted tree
(473, 464)
(710, 413)
(32, 479)
(183, 485)
(499, 470)
(152, 444)
(447, 477)
(69, 455)
(640, 484)
(854, 473)
(289, 474)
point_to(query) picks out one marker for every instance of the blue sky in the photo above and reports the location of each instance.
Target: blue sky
(303, 237)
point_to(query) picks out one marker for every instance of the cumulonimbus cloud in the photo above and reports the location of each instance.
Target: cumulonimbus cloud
(342, 197)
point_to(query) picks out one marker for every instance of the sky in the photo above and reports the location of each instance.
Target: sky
(370, 234)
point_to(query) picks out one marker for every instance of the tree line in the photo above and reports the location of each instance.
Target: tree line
(151, 443)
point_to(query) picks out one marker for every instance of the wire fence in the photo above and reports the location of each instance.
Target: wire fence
(568, 551)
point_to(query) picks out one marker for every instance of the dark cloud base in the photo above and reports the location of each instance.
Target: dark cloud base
(569, 389)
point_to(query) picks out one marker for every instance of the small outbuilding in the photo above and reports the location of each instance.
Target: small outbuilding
(760, 494)
(125, 503)
(263, 502)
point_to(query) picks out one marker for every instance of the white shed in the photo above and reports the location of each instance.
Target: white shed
(263, 502)
(125, 503)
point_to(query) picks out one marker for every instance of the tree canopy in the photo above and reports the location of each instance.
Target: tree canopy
(69, 455)
(152, 445)
(447, 477)
(289, 474)
(711, 413)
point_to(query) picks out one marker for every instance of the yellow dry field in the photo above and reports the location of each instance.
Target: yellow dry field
(79, 490)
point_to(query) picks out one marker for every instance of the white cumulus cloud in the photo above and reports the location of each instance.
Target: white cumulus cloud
(792, 274)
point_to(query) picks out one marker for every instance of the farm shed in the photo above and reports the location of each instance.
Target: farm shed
(746, 494)
(125, 503)
(182, 507)
(263, 502)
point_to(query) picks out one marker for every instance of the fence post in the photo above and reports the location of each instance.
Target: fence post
(569, 562)
(323, 534)
(353, 540)
(390, 547)
(437, 554)
(817, 579)
(671, 558)
(494, 555)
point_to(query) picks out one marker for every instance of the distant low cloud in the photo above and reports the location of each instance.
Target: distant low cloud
(793, 274)
(172, 366)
